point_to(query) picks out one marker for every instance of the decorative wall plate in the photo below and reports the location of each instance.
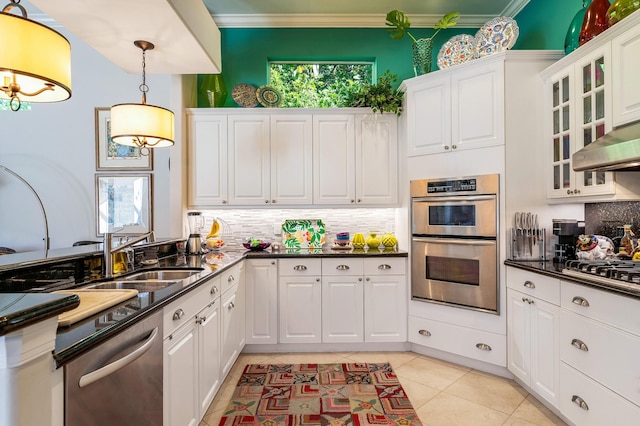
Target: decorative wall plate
(457, 50)
(496, 35)
(245, 95)
(268, 97)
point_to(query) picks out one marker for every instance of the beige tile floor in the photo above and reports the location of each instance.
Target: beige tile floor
(441, 393)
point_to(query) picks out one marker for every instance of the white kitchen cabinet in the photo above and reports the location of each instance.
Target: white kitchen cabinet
(249, 159)
(261, 281)
(456, 109)
(208, 324)
(207, 158)
(233, 326)
(300, 301)
(385, 300)
(355, 159)
(625, 54)
(291, 159)
(343, 309)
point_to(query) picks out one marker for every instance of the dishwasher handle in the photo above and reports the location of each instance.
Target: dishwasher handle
(98, 374)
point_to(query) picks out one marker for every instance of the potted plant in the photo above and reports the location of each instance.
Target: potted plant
(380, 97)
(421, 47)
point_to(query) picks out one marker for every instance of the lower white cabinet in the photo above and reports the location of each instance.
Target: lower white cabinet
(208, 324)
(261, 283)
(385, 300)
(300, 301)
(233, 326)
(342, 308)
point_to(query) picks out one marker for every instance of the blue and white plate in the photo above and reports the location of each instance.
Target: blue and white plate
(457, 50)
(497, 35)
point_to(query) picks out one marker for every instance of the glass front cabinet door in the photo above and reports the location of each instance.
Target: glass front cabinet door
(580, 112)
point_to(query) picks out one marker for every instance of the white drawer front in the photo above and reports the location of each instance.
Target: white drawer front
(299, 267)
(587, 403)
(231, 277)
(385, 266)
(184, 309)
(342, 266)
(614, 309)
(608, 355)
(476, 344)
(537, 285)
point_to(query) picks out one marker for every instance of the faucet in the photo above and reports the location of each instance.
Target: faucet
(108, 249)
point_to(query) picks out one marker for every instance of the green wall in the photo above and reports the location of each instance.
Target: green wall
(246, 51)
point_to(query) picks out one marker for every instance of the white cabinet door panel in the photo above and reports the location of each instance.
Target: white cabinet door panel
(334, 159)
(342, 309)
(300, 309)
(207, 160)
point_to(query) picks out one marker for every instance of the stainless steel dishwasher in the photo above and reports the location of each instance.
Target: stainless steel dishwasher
(119, 381)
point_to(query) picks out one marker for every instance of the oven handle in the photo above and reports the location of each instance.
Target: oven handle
(98, 374)
(465, 198)
(459, 241)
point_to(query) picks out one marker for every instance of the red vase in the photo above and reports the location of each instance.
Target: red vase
(595, 20)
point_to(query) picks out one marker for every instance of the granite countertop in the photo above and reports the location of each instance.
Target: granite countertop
(19, 310)
(325, 252)
(555, 270)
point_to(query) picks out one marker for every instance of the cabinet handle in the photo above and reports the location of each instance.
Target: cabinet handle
(231, 306)
(580, 301)
(580, 345)
(231, 278)
(273, 262)
(384, 266)
(299, 268)
(201, 320)
(224, 201)
(367, 279)
(529, 284)
(524, 299)
(273, 201)
(569, 192)
(577, 191)
(579, 402)
(178, 314)
(359, 200)
(353, 201)
(214, 290)
(317, 280)
(360, 279)
(266, 201)
(483, 346)
(342, 267)
(454, 146)
(426, 333)
(446, 147)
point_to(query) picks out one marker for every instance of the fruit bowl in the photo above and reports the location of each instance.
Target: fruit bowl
(255, 244)
(213, 243)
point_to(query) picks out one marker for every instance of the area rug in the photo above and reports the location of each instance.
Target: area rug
(319, 394)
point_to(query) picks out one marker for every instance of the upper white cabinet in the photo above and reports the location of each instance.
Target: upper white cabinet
(456, 109)
(294, 157)
(588, 93)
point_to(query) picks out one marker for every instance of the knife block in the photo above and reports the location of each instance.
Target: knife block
(528, 247)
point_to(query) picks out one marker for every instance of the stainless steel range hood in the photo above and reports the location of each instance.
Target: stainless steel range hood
(617, 150)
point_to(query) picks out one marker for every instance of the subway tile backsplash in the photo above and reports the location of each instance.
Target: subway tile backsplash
(605, 218)
(243, 223)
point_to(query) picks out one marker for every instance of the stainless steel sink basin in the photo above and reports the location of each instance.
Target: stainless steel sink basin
(163, 275)
(142, 286)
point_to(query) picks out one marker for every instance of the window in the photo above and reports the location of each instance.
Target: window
(318, 84)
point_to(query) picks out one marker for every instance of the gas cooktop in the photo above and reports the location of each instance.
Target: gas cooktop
(616, 273)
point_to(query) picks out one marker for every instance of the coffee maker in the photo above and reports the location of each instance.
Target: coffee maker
(566, 232)
(196, 227)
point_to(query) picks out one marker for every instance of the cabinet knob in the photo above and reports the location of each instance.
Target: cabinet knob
(446, 147)
(342, 267)
(317, 280)
(231, 278)
(426, 333)
(201, 320)
(266, 201)
(569, 192)
(580, 402)
(353, 201)
(577, 191)
(580, 301)
(273, 262)
(178, 314)
(360, 279)
(580, 345)
(214, 290)
(224, 201)
(454, 146)
(483, 346)
(529, 284)
(299, 268)
(231, 306)
(367, 279)
(359, 200)
(273, 201)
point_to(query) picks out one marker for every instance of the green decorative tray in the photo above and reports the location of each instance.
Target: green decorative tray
(303, 233)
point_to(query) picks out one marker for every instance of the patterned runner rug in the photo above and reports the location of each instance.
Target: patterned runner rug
(319, 394)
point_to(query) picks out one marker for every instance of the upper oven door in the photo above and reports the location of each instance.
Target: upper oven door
(474, 216)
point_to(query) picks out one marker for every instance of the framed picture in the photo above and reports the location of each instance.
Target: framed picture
(124, 203)
(113, 156)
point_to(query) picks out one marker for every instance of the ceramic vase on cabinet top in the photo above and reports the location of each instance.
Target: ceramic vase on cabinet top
(620, 9)
(595, 20)
(572, 39)
(214, 90)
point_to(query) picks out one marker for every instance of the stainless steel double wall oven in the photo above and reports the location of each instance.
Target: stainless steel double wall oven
(454, 257)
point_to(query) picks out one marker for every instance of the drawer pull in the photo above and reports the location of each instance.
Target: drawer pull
(299, 268)
(580, 301)
(529, 284)
(384, 266)
(231, 306)
(231, 278)
(579, 402)
(342, 267)
(483, 346)
(424, 332)
(214, 290)
(178, 314)
(580, 345)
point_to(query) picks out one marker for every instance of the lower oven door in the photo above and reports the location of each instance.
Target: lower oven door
(458, 271)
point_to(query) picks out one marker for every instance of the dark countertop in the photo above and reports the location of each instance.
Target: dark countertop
(19, 310)
(80, 337)
(555, 270)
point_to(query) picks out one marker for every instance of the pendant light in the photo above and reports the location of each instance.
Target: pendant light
(142, 125)
(35, 61)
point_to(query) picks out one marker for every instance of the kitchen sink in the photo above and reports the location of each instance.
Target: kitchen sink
(140, 285)
(163, 274)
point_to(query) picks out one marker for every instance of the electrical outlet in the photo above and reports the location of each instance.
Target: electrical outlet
(277, 229)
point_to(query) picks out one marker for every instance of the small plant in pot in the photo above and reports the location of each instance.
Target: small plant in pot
(380, 97)
(399, 25)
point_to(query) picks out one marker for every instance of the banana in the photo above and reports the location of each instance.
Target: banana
(215, 229)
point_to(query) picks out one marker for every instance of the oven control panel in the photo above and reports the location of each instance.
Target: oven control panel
(458, 185)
